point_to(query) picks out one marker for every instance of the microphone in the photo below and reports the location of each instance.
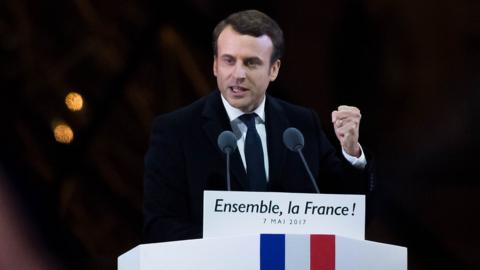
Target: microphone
(293, 140)
(227, 142)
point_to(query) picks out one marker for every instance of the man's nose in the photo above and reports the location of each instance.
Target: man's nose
(239, 72)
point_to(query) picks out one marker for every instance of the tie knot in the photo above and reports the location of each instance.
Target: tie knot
(248, 119)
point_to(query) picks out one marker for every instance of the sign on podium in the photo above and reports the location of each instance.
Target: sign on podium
(242, 212)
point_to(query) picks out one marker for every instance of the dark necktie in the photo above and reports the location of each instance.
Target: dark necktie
(254, 155)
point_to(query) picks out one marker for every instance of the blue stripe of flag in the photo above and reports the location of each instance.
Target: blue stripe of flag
(272, 252)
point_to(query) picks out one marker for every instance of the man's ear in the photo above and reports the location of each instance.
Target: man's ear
(274, 69)
(215, 66)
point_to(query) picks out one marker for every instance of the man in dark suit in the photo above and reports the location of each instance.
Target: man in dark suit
(183, 159)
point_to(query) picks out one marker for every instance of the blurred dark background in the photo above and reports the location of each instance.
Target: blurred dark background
(66, 202)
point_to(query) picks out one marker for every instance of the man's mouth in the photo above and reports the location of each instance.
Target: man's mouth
(238, 89)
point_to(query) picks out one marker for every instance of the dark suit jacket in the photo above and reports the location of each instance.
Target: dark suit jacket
(183, 160)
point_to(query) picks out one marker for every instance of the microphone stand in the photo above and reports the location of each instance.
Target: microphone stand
(299, 150)
(228, 171)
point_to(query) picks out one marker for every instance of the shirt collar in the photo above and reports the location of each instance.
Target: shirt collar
(233, 113)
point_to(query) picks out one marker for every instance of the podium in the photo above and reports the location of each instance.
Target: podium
(266, 252)
(273, 231)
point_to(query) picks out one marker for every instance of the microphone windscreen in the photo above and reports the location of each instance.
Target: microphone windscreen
(293, 139)
(227, 142)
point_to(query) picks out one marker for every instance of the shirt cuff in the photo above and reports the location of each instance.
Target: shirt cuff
(359, 162)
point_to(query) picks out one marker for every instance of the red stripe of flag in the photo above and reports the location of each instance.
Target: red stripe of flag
(322, 252)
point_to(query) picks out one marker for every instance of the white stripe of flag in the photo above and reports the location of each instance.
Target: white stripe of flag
(297, 252)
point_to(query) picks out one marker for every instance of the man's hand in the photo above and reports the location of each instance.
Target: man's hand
(346, 122)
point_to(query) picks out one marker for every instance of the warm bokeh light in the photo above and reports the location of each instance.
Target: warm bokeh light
(74, 101)
(63, 133)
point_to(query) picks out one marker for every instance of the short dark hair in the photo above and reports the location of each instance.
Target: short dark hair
(253, 23)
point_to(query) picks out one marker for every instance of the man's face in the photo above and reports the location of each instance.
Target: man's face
(242, 67)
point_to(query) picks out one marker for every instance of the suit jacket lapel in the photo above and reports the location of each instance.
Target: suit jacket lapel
(216, 121)
(276, 123)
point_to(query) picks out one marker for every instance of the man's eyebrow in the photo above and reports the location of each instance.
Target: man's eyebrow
(254, 59)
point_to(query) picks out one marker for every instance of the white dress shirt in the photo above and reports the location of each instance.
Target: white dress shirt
(240, 130)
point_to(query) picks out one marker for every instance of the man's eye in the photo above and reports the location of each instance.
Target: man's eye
(228, 61)
(251, 63)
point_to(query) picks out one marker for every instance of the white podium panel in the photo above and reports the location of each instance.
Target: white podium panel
(354, 254)
(236, 253)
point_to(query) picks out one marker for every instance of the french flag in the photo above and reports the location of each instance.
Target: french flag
(297, 252)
